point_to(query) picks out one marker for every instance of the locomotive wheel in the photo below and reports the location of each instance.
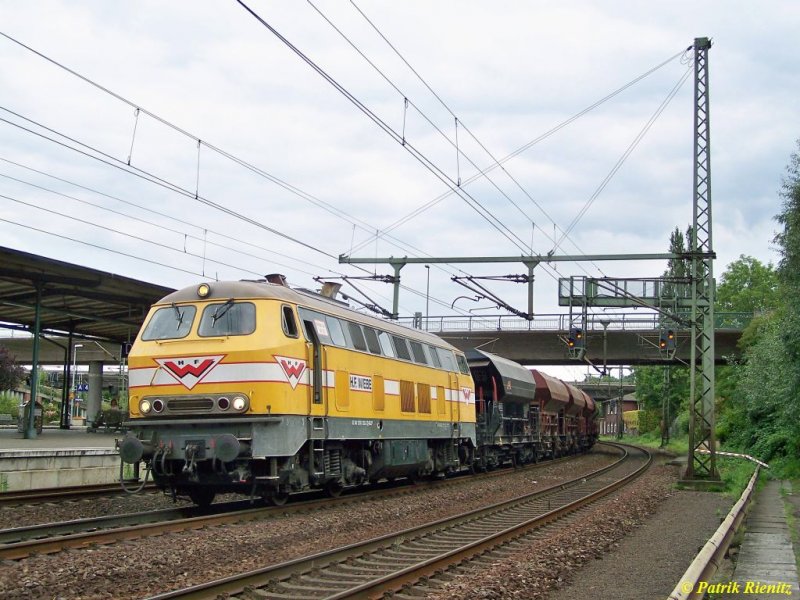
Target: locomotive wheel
(203, 497)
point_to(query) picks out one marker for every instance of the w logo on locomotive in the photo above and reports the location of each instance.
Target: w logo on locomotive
(293, 368)
(191, 370)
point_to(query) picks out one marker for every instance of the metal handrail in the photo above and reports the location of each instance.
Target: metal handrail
(634, 321)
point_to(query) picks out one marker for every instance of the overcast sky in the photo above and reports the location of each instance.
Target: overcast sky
(509, 71)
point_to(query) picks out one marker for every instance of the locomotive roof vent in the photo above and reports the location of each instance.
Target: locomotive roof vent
(330, 289)
(276, 279)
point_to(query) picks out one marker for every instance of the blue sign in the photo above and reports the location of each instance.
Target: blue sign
(82, 387)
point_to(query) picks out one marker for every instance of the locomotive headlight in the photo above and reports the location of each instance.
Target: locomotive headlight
(203, 290)
(239, 402)
(144, 407)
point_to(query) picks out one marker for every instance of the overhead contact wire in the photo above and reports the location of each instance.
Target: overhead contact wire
(277, 181)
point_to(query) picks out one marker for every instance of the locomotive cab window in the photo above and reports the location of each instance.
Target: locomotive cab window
(228, 318)
(287, 321)
(170, 323)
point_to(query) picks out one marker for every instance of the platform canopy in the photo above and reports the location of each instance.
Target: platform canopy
(88, 302)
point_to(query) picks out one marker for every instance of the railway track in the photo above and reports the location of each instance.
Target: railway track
(387, 564)
(47, 538)
(78, 492)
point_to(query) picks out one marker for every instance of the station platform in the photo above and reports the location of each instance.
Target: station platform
(57, 458)
(53, 437)
(766, 566)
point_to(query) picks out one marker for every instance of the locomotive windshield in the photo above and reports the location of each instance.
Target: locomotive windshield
(170, 323)
(228, 318)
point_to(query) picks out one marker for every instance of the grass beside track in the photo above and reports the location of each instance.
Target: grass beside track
(734, 472)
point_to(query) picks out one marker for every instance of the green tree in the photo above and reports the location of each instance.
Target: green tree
(763, 416)
(748, 285)
(11, 373)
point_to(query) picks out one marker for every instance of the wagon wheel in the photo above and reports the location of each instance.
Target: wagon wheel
(334, 488)
(278, 498)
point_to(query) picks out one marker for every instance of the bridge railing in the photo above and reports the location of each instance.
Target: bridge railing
(633, 321)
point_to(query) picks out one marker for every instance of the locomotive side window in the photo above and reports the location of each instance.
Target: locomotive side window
(401, 346)
(447, 358)
(462, 364)
(228, 318)
(386, 344)
(170, 323)
(419, 355)
(372, 340)
(335, 329)
(433, 357)
(357, 335)
(319, 322)
(287, 321)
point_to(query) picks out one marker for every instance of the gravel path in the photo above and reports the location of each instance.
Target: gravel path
(650, 562)
(633, 546)
(144, 567)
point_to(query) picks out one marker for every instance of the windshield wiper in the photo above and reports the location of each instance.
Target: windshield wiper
(221, 310)
(178, 314)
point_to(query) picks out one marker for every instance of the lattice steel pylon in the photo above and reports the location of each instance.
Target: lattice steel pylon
(701, 401)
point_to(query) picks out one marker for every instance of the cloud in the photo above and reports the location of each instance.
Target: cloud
(510, 72)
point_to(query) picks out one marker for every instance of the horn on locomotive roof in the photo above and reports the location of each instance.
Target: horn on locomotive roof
(277, 279)
(330, 289)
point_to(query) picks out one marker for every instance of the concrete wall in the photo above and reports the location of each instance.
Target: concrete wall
(44, 468)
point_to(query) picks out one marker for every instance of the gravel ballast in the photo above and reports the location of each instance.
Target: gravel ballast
(632, 546)
(145, 567)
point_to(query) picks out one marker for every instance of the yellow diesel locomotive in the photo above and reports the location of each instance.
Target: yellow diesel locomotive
(257, 388)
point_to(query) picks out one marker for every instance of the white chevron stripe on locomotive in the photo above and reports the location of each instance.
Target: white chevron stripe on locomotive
(266, 372)
(222, 373)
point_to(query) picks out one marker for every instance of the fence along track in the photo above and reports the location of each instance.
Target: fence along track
(387, 563)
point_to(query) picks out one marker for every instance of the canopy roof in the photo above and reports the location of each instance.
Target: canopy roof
(87, 301)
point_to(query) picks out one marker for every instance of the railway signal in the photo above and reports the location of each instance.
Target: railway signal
(576, 343)
(667, 342)
(662, 341)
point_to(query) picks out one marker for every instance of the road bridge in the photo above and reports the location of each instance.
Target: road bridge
(629, 339)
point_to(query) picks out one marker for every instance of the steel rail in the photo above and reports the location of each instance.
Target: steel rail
(47, 538)
(17, 497)
(354, 556)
